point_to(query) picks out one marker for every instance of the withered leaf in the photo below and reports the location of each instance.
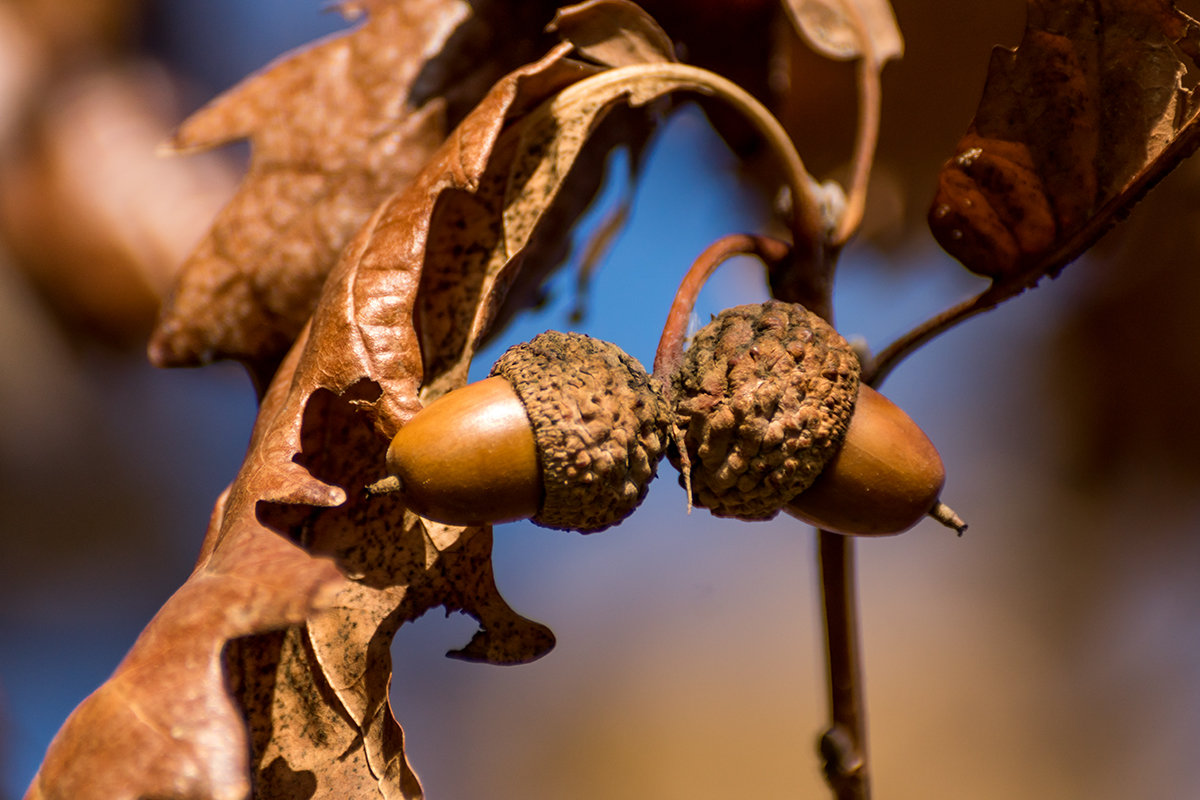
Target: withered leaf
(164, 725)
(615, 33)
(335, 129)
(848, 29)
(312, 684)
(399, 318)
(1075, 124)
(354, 374)
(332, 133)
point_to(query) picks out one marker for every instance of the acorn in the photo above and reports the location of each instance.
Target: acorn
(567, 432)
(769, 415)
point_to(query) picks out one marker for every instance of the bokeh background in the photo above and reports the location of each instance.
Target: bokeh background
(1053, 651)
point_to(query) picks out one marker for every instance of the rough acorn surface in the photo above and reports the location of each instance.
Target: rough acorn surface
(763, 399)
(599, 423)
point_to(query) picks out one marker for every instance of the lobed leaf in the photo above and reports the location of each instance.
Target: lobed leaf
(282, 634)
(335, 129)
(399, 319)
(1075, 124)
(164, 725)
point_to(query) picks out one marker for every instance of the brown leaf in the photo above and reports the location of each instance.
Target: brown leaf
(313, 694)
(398, 319)
(615, 33)
(848, 29)
(164, 724)
(1074, 126)
(334, 129)
(401, 315)
(359, 367)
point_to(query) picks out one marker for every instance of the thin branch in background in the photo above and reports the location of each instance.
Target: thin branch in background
(891, 356)
(843, 746)
(597, 247)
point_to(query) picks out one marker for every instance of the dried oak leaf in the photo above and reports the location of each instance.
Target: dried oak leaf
(1074, 126)
(400, 314)
(165, 725)
(616, 33)
(398, 320)
(400, 317)
(611, 33)
(848, 29)
(334, 129)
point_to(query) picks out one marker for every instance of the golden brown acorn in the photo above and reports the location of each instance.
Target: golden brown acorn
(567, 432)
(884, 478)
(769, 415)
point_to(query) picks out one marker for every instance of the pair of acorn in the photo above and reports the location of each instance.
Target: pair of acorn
(765, 413)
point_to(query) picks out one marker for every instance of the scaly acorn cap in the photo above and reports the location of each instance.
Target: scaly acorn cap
(762, 401)
(599, 423)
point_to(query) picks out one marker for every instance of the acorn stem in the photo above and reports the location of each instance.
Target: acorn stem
(948, 517)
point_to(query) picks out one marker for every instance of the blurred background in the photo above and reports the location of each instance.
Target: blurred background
(1053, 651)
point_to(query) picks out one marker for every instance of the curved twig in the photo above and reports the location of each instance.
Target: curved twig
(866, 137)
(888, 358)
(810, 229)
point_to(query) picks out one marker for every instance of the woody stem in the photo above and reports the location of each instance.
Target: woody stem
(843, 746)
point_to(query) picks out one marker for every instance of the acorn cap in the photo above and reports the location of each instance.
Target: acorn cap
(599, 424)
(763, 398)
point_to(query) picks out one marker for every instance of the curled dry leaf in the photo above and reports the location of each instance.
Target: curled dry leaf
(334, 129)
(610, 33)
(848, 29)
(315, 694)
(400, 315)
(616, 33)
(442, 251)
(1075, 125)
(164, 725)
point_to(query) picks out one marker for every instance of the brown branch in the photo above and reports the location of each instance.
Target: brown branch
(843, 746)
(888, 358)
(1051, 263)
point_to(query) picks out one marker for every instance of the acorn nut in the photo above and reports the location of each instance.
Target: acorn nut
(567, 432)
(770, 415)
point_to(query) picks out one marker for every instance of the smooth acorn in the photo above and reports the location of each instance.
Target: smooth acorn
(770, 416)
(567, 432)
